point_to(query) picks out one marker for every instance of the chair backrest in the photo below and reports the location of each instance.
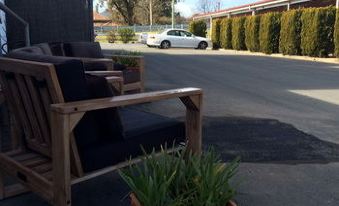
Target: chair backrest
(30, 88)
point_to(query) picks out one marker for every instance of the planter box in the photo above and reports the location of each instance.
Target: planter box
(135, 201)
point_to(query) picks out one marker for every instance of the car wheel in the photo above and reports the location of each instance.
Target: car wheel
(203, 45)
(165, 45)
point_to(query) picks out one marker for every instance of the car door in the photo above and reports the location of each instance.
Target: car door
(173, 37)
(188, 39)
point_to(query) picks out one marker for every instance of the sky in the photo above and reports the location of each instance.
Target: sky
(189, 7)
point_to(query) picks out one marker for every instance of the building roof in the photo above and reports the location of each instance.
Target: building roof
(100, 18)
(263, 4)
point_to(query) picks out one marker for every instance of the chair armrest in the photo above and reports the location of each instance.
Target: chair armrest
(125, 100)
(110, 56)
(105, 73)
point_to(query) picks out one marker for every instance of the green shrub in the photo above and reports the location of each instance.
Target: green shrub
(252, 24)
(126, 34)
(216, 33)
(226, 33)
(336, 34)
(198, 28)
(290, 33)
(238, 33)
(317, 31)
(111, 37)
(269, 33)
(182, 179)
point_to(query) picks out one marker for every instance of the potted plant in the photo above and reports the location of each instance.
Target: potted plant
(127, 58)
(181, 179)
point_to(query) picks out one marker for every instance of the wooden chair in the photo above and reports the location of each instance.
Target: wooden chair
(47, 161)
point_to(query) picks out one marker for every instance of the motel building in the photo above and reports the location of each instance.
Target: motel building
(263, 6)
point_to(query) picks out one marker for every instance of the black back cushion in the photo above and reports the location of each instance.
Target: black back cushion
(75, 87)
(83, 49)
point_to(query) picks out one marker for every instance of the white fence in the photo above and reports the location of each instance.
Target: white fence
(137, 28)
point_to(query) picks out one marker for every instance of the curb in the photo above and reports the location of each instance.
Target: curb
(303, 58)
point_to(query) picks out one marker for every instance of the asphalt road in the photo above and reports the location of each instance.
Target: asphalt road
(301, 93)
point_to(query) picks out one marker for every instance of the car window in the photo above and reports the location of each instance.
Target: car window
(172, 33)
(185, 34)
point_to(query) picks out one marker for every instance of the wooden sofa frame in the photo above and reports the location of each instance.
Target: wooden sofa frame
(47, 161)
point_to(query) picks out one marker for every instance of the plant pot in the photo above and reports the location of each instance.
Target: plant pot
(135, 201)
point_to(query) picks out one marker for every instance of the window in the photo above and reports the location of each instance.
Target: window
(185, 34)
(173, 33)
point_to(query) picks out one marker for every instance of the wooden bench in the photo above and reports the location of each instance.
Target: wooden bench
(47, 160)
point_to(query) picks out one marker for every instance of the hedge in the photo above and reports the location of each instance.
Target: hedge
(309, 32)
(290, 33)
(252, 33)
(317, 31)
(198, 28)
(238, 33)
(226, 33)
(336, 34)
(216, 33)
(269, 33)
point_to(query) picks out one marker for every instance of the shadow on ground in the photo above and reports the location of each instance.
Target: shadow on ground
(265, 140)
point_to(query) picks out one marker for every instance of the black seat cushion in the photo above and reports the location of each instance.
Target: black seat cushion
(94, 66)
(57, 48)
(45, 48)
(83, 49)
(75, 86)
(141, 129)
(31, 49)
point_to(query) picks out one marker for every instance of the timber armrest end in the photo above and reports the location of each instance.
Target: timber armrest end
(125, 100)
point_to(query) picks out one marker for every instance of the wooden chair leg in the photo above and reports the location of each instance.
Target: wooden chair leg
(60, 125)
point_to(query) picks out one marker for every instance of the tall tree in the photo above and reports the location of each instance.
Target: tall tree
(206, 6)
(125, 8)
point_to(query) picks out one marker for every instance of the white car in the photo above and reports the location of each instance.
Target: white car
(176, 38)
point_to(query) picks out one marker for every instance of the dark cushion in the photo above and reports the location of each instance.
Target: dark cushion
(94, 66)
(57, 48)
(131, 76)
(45, 48)
(31, 49)
(141, 129)
(83, 49)
(95, 125)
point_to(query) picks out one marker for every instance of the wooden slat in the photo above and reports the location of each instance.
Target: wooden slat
(40, 113)
(33, 180)
(76, 166)
(14, 190)
(46, 100)
(35, 162)
(19, 107)
(43, 168)
(24, 156)
(88, 105)
(29, 109)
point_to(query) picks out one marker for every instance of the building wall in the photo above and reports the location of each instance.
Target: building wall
(50, 20)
